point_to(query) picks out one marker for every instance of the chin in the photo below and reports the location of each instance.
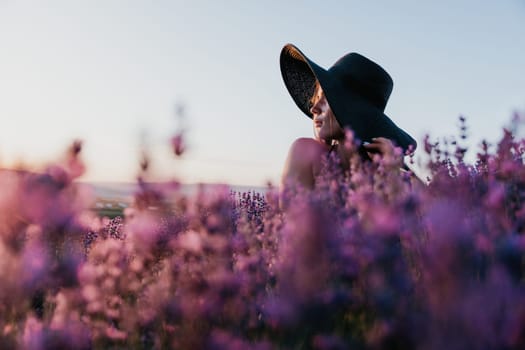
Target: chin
(323, 137)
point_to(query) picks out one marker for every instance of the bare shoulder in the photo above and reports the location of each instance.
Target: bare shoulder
(307, 149)
(304, 156)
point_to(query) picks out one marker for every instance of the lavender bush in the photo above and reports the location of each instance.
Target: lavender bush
(371, 259)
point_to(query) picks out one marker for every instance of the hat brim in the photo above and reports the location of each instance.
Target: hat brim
(351, 109)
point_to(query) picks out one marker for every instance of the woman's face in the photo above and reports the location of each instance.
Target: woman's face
(326, 127)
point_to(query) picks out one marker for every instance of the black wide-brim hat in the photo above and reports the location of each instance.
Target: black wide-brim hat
(356, 89)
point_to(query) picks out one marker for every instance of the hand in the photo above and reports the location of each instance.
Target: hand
(385, 148)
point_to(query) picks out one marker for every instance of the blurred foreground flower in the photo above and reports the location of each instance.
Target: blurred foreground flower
(367, 260)
(178, 144)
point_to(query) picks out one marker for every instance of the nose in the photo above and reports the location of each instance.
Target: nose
(316, 108)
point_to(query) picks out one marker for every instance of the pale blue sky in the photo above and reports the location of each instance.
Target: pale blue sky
(109, 71)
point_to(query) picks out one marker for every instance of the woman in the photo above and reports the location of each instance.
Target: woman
(351, 94)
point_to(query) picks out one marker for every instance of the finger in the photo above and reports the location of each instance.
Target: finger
(383, 147)
(383, 140)
(373, 146)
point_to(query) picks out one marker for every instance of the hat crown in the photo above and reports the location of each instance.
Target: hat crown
(364, 77)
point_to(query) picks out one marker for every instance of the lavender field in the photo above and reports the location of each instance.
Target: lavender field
(370, 259)
(112, 198)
